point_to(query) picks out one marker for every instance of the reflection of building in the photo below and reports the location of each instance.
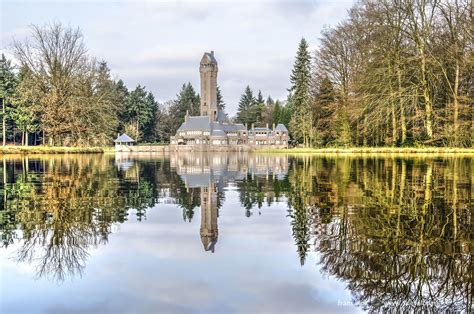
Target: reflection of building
(209, 213)
(212, 172)
(212, 128)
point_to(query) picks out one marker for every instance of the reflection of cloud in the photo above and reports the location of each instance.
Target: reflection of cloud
(287, 297)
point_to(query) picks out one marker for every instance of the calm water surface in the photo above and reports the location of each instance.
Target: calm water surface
(232, 233)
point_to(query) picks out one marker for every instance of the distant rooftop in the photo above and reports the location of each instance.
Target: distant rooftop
(210, 56)
(199, 123)
(124, 138)
(281, 127)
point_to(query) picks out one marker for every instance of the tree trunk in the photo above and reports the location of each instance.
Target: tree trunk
(455, 198)
(456, 106)
(426, 97)
(394, 125)
(403, 125)
(365, 131)
(26, 138)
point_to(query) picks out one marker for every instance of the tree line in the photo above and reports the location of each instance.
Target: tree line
(394, 73)
(255, 110)
(59, 95)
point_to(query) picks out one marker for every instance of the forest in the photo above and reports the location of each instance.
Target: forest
(393, 73)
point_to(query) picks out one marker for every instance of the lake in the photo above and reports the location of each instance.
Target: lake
(235, 233)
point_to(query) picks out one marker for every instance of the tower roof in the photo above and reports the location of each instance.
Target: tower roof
(209, 57)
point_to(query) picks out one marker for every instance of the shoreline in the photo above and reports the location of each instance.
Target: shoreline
(337, 151)
(371, 150)
(6, 150)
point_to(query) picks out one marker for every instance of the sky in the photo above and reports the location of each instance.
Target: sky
(159, 44)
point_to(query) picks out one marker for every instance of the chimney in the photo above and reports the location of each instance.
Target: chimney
(253, 126)
(273, 127)
(212, 52)
(186, 116)
(267, 125)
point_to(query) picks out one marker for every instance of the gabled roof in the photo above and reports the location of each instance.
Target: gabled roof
(281, 127)
(200, 123)
(210, 57)
(217, 130)
(222, 117)
(124, 138)
(218, 133)
(233, 127)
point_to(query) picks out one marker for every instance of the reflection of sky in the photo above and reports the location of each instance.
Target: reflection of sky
(159, 265)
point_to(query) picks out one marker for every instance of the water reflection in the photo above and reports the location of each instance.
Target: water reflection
(210, 174)
(397, 231)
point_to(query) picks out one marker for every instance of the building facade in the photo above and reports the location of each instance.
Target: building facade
(213, 129)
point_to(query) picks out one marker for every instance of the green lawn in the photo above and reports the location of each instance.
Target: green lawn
(53, 150)
(371, 150)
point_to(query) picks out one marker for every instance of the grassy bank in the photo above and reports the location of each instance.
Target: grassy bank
(53, 150)
(372, 150)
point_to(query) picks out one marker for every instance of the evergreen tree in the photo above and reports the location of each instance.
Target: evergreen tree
(7, 88)
(245, 113)
(220, 99)
(104, 103)
(187, 100)
(286, 111)
(277, 112)
(301, 125)
(24, 112)
(121, 95)
(140, 107)
(149, 127)
(270, 101)
(258, 110)
(260, 99)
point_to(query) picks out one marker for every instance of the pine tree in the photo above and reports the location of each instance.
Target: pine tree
(277, 112)
(187, 100)
(24, 111)
(246, 106)
(270, 101)
(301, 123)
(121, 95)
(140, 109)
(260, 99)
(7, 87)
(220, 99)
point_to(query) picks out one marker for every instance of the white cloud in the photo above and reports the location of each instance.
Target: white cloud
(159, 43)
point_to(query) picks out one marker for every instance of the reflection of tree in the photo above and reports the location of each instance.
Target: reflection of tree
(65, 205)
(397, 231)
(300, 211)
(254, 191)
(400, 237)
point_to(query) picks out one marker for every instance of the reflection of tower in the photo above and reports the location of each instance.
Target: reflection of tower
(209, 210)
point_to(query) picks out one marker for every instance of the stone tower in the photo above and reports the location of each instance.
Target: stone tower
(208, 71)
